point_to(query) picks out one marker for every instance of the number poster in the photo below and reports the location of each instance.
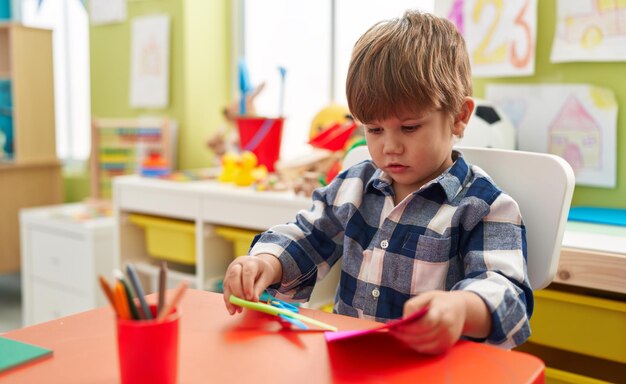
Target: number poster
(500, 34)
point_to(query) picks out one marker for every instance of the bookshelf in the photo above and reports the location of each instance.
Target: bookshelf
(30, 173)
(27, 119)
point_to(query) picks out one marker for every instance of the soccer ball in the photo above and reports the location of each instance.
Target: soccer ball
(489, 127)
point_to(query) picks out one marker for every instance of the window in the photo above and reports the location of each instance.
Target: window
(313, 40)
(69, 21)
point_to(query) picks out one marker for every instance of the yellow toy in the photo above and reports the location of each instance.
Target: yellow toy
(241, 169)
(229, 167)
(247, 163)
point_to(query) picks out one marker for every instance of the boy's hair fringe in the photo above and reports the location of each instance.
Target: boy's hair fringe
(417, 63)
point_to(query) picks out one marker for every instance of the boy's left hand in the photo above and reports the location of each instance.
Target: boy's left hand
(444, 322)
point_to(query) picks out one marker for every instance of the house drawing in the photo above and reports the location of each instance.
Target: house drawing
(576, 136)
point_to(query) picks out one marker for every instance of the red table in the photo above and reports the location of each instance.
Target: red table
(249, 348)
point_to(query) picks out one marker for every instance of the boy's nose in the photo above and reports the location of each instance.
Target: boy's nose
(393, 146)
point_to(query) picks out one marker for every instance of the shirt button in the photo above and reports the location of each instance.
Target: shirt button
(384, 244)
(375, 293)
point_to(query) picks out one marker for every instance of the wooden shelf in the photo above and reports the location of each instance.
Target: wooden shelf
(26, 59)
(31, 174)
(592, 269)
(24, 185)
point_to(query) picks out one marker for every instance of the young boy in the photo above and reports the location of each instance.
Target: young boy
(417, 226)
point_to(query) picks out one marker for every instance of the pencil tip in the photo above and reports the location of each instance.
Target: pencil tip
(118, 274)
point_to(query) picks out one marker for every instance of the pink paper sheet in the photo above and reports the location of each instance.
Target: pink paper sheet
(344, 335)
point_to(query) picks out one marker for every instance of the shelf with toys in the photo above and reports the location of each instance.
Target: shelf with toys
(199, 224)
(208, 222)
(202, 210)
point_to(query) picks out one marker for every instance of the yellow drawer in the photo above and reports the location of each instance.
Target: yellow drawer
(168, 239)
(241, 238)
(582, 324)
(556, 376)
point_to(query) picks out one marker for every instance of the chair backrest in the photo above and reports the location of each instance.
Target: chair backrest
(355, 156)
(542, 184)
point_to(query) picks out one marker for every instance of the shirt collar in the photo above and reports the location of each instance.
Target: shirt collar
(451, 180)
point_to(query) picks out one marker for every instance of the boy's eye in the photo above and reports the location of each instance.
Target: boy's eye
(410, 128)
(373, 130)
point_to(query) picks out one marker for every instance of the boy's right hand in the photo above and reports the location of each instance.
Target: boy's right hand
(248, 276)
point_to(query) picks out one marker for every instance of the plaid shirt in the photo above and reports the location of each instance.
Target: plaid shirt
(457, 232)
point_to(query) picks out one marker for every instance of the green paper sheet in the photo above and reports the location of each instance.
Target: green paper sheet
(14, 353)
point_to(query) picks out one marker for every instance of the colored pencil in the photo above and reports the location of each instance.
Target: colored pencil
(132, 307)
(144, 312)
(178, 295)
(271, 310)
(162, 286)
(108, 292)
(120, 301)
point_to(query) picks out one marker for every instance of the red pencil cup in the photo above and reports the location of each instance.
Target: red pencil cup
(262, 136)
(148, 349)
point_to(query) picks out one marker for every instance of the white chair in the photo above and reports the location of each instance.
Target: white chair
(542, 185)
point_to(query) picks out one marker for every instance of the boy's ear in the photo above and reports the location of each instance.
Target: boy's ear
(462, 118)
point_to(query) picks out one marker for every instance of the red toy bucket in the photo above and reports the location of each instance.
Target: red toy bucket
(262, 136)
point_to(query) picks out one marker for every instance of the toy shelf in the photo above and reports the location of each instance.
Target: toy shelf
(201, 212)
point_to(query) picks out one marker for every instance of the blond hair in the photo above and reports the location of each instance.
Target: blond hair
(416, 63)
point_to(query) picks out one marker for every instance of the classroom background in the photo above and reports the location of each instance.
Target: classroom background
(94, 89)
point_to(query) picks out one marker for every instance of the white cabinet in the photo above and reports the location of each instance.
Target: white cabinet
(203, 205)
(62, 254)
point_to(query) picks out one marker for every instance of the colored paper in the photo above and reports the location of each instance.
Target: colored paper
(595, 237)
(589, 30)
(107, 11)
(276, 311)
(611, 216)
(575, 121)
(15, 353)
(150, 61)
(344, 335)
(500, 35)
